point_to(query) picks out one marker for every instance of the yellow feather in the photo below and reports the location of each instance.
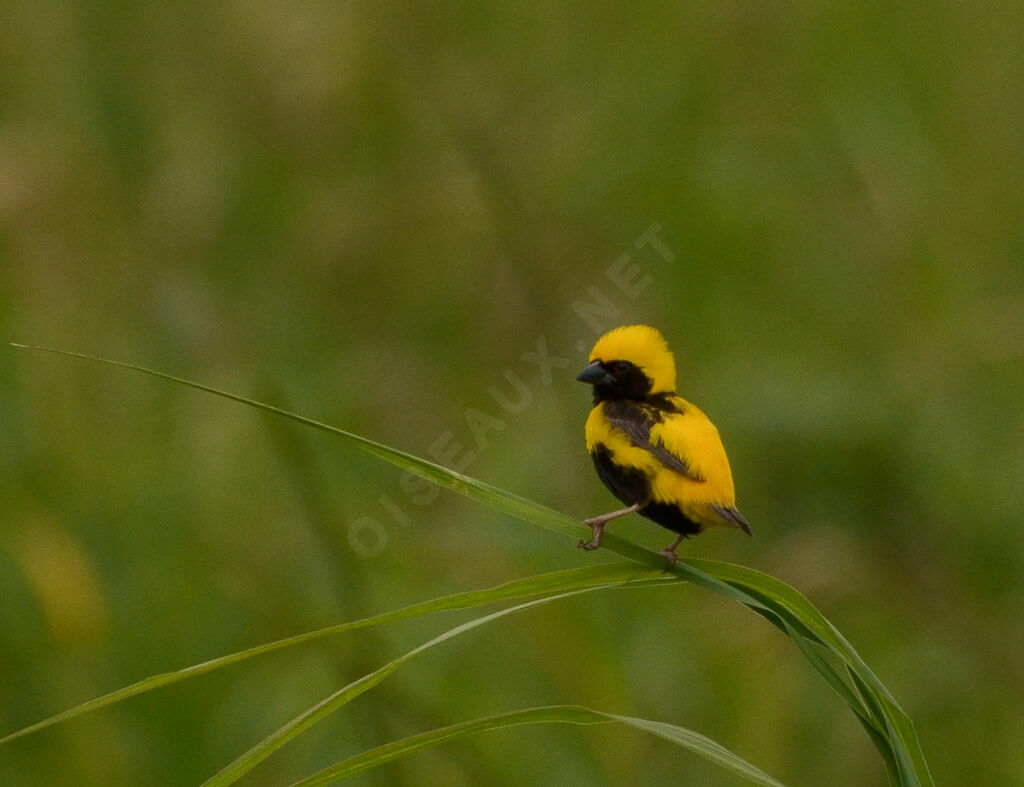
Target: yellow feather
(645, 347)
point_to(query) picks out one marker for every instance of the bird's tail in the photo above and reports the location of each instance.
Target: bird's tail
(733, 518)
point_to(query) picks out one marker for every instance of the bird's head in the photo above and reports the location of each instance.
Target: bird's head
(630, 362)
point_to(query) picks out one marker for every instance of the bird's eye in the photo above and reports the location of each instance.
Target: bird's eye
(620, 367)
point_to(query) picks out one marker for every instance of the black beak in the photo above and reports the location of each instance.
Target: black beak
(595, 374)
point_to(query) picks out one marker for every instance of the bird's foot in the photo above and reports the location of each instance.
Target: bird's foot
(670, 551)
(597, 525)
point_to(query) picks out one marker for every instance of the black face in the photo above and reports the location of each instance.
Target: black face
(616, 380)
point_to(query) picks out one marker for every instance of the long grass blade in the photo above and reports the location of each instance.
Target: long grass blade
(250, 759)
(556, 714)
(589, 578)
(488, 494)
(877, 704)
(772, 599)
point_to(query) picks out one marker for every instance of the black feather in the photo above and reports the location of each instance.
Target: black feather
(631, 486)
(635, 420)
(730, 514)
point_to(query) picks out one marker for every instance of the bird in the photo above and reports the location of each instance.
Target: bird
(656, 452)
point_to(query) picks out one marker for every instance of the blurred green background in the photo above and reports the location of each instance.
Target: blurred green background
(369, 213)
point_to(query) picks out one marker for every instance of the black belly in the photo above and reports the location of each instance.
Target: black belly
(632, 486)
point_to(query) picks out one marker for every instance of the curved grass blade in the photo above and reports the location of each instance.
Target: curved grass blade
(470, 487)
(878, 708)
(774, 600)
(250, 759)
(481, 491)
(555, 714)
(589, 578)
(698, 743)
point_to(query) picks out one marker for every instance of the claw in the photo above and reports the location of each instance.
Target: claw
(597, 525)
(670, 551)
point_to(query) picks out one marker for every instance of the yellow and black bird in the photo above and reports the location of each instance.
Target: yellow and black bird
(655, 451)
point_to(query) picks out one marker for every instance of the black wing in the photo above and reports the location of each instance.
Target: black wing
(636, 421)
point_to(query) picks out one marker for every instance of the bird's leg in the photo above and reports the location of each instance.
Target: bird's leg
(670, 550)
(597, 524)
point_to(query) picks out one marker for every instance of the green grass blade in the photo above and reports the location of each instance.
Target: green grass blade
(557, 714)
(589, 578)
(700, 744)
(909, 763)
(481, 491)
(878, 704)
(381, 755)
(250, 759)
(872, 723)
(774, 600)
(880, 731)
(488, 494)
(833, 678)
